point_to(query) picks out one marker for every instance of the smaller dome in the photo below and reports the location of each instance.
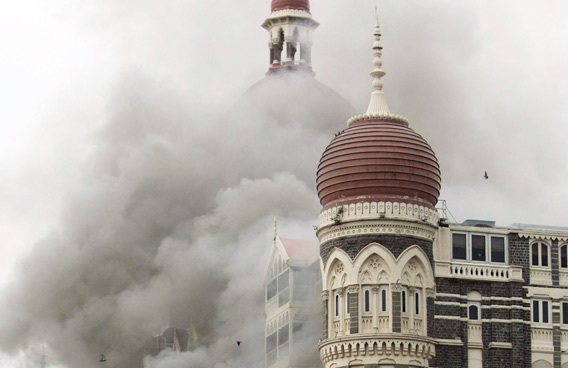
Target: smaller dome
(291, 4)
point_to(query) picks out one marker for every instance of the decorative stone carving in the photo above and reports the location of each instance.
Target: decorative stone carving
(325, 295)
(431, 292)
(352, 289)
(339, 269)
(374, 263)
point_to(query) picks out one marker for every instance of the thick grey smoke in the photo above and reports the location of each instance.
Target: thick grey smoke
(171, 222)
(171, 217)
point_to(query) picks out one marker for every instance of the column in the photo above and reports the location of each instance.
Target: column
(325, 306)
(353, 309)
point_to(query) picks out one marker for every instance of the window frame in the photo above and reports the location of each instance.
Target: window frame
(563, 314)
(347, 311)
(384, 289)
(367, 292)
(540, 247)
(336, 305)
(404, 301)
(417, 303)
(488, 248)
(476, 305)
(565, 247)
(540, 303)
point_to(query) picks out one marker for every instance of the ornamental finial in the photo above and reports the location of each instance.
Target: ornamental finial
(378, 104)
(275, 229)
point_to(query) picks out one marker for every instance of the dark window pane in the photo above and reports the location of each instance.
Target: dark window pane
(336, 305)
(564, 257)
(565, 313)
(459, 246)
(536, 311)
(283, 334)
(283, 297)
(544, 312)
(478, 248)
(544, 255)
(347, 303)
(271, 342)
(416, 303)
(383, 300)
(497, 249)
(403, 301)
(367, 301)
(473, 312)
(271, 290)
(283, 281)
(535, 254)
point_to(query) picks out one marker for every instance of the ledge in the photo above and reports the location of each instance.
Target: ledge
(500, 345)
(449, 342)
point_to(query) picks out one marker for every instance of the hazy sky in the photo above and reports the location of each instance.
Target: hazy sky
(482, 81)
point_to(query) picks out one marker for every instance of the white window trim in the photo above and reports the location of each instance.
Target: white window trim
(367, 289)
(548, 246)
(384, 288)
(474, 304)
(347, 311)
(420, 303)
(541, 312)
(404, 296)
(468, 248)
(562, 312)
(336, 305)
(560, 256)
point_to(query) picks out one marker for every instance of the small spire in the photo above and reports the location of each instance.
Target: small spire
(378, 104)
(275, 229)
(378, 107)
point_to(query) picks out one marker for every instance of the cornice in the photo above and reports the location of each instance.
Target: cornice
(384, 227)
(378, 211)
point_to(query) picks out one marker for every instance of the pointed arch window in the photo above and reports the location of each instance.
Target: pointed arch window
(539, 254)
(367, 300)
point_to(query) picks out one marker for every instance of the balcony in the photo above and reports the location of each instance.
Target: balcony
(479, 271)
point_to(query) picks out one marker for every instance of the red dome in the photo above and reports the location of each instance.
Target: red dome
(378, 161)
(291, 4)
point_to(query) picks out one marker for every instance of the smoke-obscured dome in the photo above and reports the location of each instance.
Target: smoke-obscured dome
(295, 97)
(291, 4)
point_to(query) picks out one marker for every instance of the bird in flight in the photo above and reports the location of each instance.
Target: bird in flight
(486, 176)
(239, 343)
(103, 359)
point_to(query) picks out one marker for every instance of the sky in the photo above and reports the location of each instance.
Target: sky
(102, 100)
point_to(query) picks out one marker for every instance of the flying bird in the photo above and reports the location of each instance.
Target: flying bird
(239, 343)
(486, 176)
(103, 359)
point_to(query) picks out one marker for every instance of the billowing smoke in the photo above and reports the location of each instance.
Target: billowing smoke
(172, 224)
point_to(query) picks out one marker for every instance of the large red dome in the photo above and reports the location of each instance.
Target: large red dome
(291, 4)
(378, 161)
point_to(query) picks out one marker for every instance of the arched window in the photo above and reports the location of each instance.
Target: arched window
(564, 256)
(384, 300)
(539, 254)
(336, 307)
(473, 312)
(347, 302)
(403, 300)
(417, 303)
(367, 300)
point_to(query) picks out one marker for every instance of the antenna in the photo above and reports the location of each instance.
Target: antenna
(42, 362)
